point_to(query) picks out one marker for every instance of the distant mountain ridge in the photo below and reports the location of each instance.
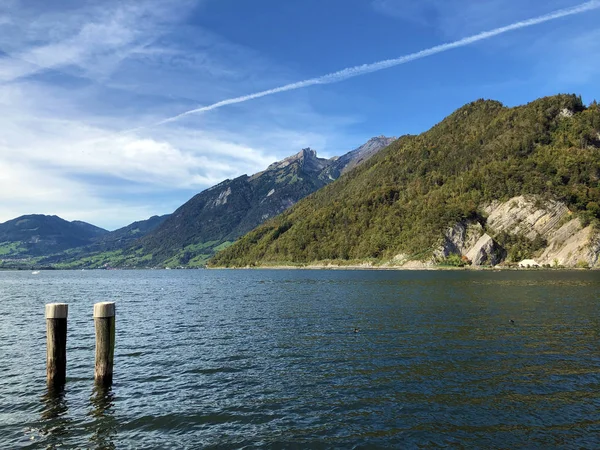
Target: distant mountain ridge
(38, 235)
(124, 236)
(44, 240)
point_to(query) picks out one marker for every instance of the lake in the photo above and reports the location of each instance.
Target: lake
(269, 358)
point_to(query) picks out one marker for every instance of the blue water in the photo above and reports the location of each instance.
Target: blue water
(232, 359)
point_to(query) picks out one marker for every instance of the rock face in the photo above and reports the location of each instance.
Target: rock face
(565, 241)
(470, 240)
(350, 160)
(307, 157)
(484, 252)
(459, 239)
(572, 245)
(566, 113)
(530, 216)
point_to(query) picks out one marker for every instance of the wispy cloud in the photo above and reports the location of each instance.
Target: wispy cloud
(50, 158)
(87, 40)
(45, 191)
(72, 78)
(364, 69)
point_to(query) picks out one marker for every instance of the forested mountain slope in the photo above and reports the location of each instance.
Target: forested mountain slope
(401, 203)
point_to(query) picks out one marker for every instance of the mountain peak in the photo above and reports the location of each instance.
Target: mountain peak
(307, 156)
(377, 143)
(380, 138)
(350, 160)
(308, 153)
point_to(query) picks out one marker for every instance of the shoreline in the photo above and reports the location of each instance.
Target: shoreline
(329, 266)
(359, 267)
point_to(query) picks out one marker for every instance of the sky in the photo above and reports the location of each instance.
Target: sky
(112, 111)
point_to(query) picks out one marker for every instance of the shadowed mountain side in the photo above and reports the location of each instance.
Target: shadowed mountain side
(219, 215)
(124, 236)
(105, 244)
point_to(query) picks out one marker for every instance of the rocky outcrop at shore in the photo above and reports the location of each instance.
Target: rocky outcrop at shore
(555, 236)
(484, 252)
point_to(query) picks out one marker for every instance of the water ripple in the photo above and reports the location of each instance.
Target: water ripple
(246, 359)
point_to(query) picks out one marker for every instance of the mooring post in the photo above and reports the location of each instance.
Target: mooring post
(56, 343)
(104, 320)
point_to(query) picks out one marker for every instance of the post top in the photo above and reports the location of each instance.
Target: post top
(57, 310)
(104, 309)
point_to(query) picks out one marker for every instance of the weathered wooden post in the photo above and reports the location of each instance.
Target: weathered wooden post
(56, 343)
(104, 320)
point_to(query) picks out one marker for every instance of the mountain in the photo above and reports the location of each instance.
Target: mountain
(122, 237)
(471, 189)
(208, 222)
(221, 214)
(92, 230)
(102, 246)
(49, 241)
(356, 157)
(37, 235)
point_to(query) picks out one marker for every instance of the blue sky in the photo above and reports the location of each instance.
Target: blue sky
(85, 85)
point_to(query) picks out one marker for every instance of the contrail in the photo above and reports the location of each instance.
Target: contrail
(356, 71)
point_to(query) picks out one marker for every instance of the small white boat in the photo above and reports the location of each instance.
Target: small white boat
(35, 272)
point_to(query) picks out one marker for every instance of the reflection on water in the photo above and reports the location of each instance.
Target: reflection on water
(55, 420)
(103, 429)
(57, 425)
(543, 282)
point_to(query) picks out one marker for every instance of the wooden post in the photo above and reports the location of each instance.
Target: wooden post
(104, 320)
(56, 343)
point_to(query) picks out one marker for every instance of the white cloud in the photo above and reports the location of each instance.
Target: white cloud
(51, 165)
(25, 189)
(178, 159)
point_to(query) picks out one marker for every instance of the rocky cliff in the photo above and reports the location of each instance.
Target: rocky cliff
(524, 227)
